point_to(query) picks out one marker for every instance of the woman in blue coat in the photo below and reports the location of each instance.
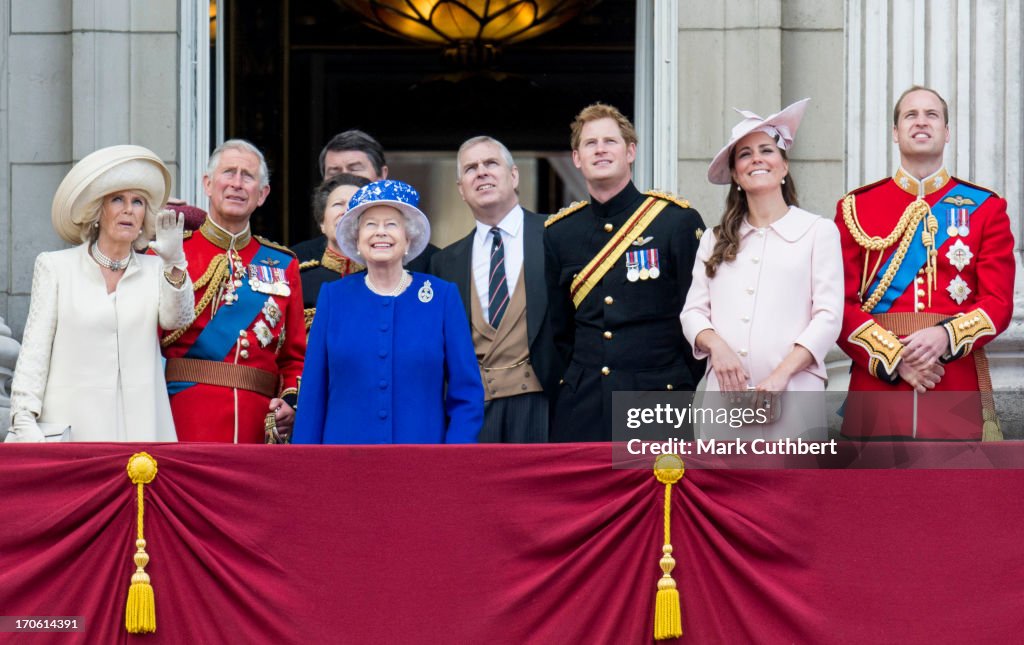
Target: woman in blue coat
(390, 357)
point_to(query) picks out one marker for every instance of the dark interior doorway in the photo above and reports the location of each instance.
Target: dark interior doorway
(299, 71)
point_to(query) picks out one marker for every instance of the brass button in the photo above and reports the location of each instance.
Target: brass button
(920, 280)
(609, 300)
(245, 342)
(605, 371)
(243, 333)
(244, 353)
(920, 293)
(608, 335)
(920, 306)
(669, 387)
(608, 228)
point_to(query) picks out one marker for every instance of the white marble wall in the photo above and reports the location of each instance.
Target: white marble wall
(77, 75)
(761, 55)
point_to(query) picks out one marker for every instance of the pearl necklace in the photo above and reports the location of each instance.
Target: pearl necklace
(403, 284)
(107, 263)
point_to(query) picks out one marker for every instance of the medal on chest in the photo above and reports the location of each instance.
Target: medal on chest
(269, 280)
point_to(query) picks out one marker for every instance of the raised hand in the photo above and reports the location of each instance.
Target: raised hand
(169, 243)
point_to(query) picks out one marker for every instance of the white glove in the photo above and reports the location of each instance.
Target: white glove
(24, 429)
(169, 244)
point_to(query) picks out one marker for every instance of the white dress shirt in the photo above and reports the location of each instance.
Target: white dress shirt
(511, 227)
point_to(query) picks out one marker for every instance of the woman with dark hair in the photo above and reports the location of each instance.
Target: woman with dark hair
(330, 201)
(765, 305)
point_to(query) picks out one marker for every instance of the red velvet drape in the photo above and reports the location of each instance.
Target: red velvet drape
(509, 544)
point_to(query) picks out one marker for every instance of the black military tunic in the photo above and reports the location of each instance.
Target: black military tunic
(626, 334)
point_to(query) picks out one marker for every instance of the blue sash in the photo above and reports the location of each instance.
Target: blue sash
(221, 333)
(917, 254)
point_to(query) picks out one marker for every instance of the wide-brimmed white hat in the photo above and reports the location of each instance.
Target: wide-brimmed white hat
(386, 192)
(781, 126)
(106, 171)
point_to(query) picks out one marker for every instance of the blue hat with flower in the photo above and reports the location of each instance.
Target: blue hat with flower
(387, 192)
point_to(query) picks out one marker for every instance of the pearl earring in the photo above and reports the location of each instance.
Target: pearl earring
(739, 189)
(783, 181)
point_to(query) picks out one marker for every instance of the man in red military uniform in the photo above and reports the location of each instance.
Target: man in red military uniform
(233, 374)
(929, 281)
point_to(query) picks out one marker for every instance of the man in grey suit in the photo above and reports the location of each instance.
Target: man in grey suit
(499, 269)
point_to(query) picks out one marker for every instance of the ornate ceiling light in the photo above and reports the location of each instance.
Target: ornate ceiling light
(470, 31)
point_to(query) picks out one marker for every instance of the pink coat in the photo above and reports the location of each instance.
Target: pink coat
(785, 287)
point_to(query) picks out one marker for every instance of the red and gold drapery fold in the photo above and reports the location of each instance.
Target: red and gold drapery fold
(506, 544)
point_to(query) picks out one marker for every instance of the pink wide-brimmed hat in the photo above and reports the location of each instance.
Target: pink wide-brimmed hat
(781, 126)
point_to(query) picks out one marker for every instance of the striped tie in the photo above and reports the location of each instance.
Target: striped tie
(497, 287)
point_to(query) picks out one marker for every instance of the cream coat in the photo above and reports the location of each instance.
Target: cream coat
(92, 360)
(784, 288)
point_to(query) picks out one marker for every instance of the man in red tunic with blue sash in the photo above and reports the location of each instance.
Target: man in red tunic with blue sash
(929, 272)
(233, 374)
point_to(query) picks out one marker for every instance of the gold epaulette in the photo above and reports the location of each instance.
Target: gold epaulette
(274, 245)
(675, 199)
(565, 212)
(309, 264)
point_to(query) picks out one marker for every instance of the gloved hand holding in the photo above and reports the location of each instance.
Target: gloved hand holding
(169, 244)
(24, 429)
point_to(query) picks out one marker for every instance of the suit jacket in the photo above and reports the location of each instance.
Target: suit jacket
(455, 264)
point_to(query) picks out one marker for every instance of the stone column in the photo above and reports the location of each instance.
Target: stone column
(970, 52)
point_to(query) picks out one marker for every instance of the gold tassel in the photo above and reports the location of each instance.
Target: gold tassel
(990, 429)
(140, 612)
(668, 618)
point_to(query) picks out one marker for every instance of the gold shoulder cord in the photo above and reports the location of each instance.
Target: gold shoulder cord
(906, 226)
(215, 275)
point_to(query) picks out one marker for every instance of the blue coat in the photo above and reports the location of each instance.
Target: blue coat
(377, 367)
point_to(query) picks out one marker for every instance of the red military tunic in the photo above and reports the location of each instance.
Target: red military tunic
(888, 297)
(249, 314)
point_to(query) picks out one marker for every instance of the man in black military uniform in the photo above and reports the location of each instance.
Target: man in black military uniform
(618, 269)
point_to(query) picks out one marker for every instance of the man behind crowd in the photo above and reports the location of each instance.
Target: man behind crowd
(233, 374)
(929, 281)
(353, 152)
(499, 270)
(618, 269)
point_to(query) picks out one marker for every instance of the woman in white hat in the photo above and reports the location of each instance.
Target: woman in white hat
(90, 358)
(765, 305)
(390, 358)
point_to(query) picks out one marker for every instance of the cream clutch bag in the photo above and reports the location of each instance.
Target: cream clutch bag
(55, 432)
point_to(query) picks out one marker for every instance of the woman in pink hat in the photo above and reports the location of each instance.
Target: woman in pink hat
(765, 305)
(90, 366)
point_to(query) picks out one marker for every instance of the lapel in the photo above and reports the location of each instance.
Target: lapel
(462, 269)
(533, 278)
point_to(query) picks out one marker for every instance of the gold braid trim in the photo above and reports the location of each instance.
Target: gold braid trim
(675, 199)
(215, 275)
(882, 345)
(565, 212)
(906, 226)
(967, 328)
(309, 264)
(274, 245)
